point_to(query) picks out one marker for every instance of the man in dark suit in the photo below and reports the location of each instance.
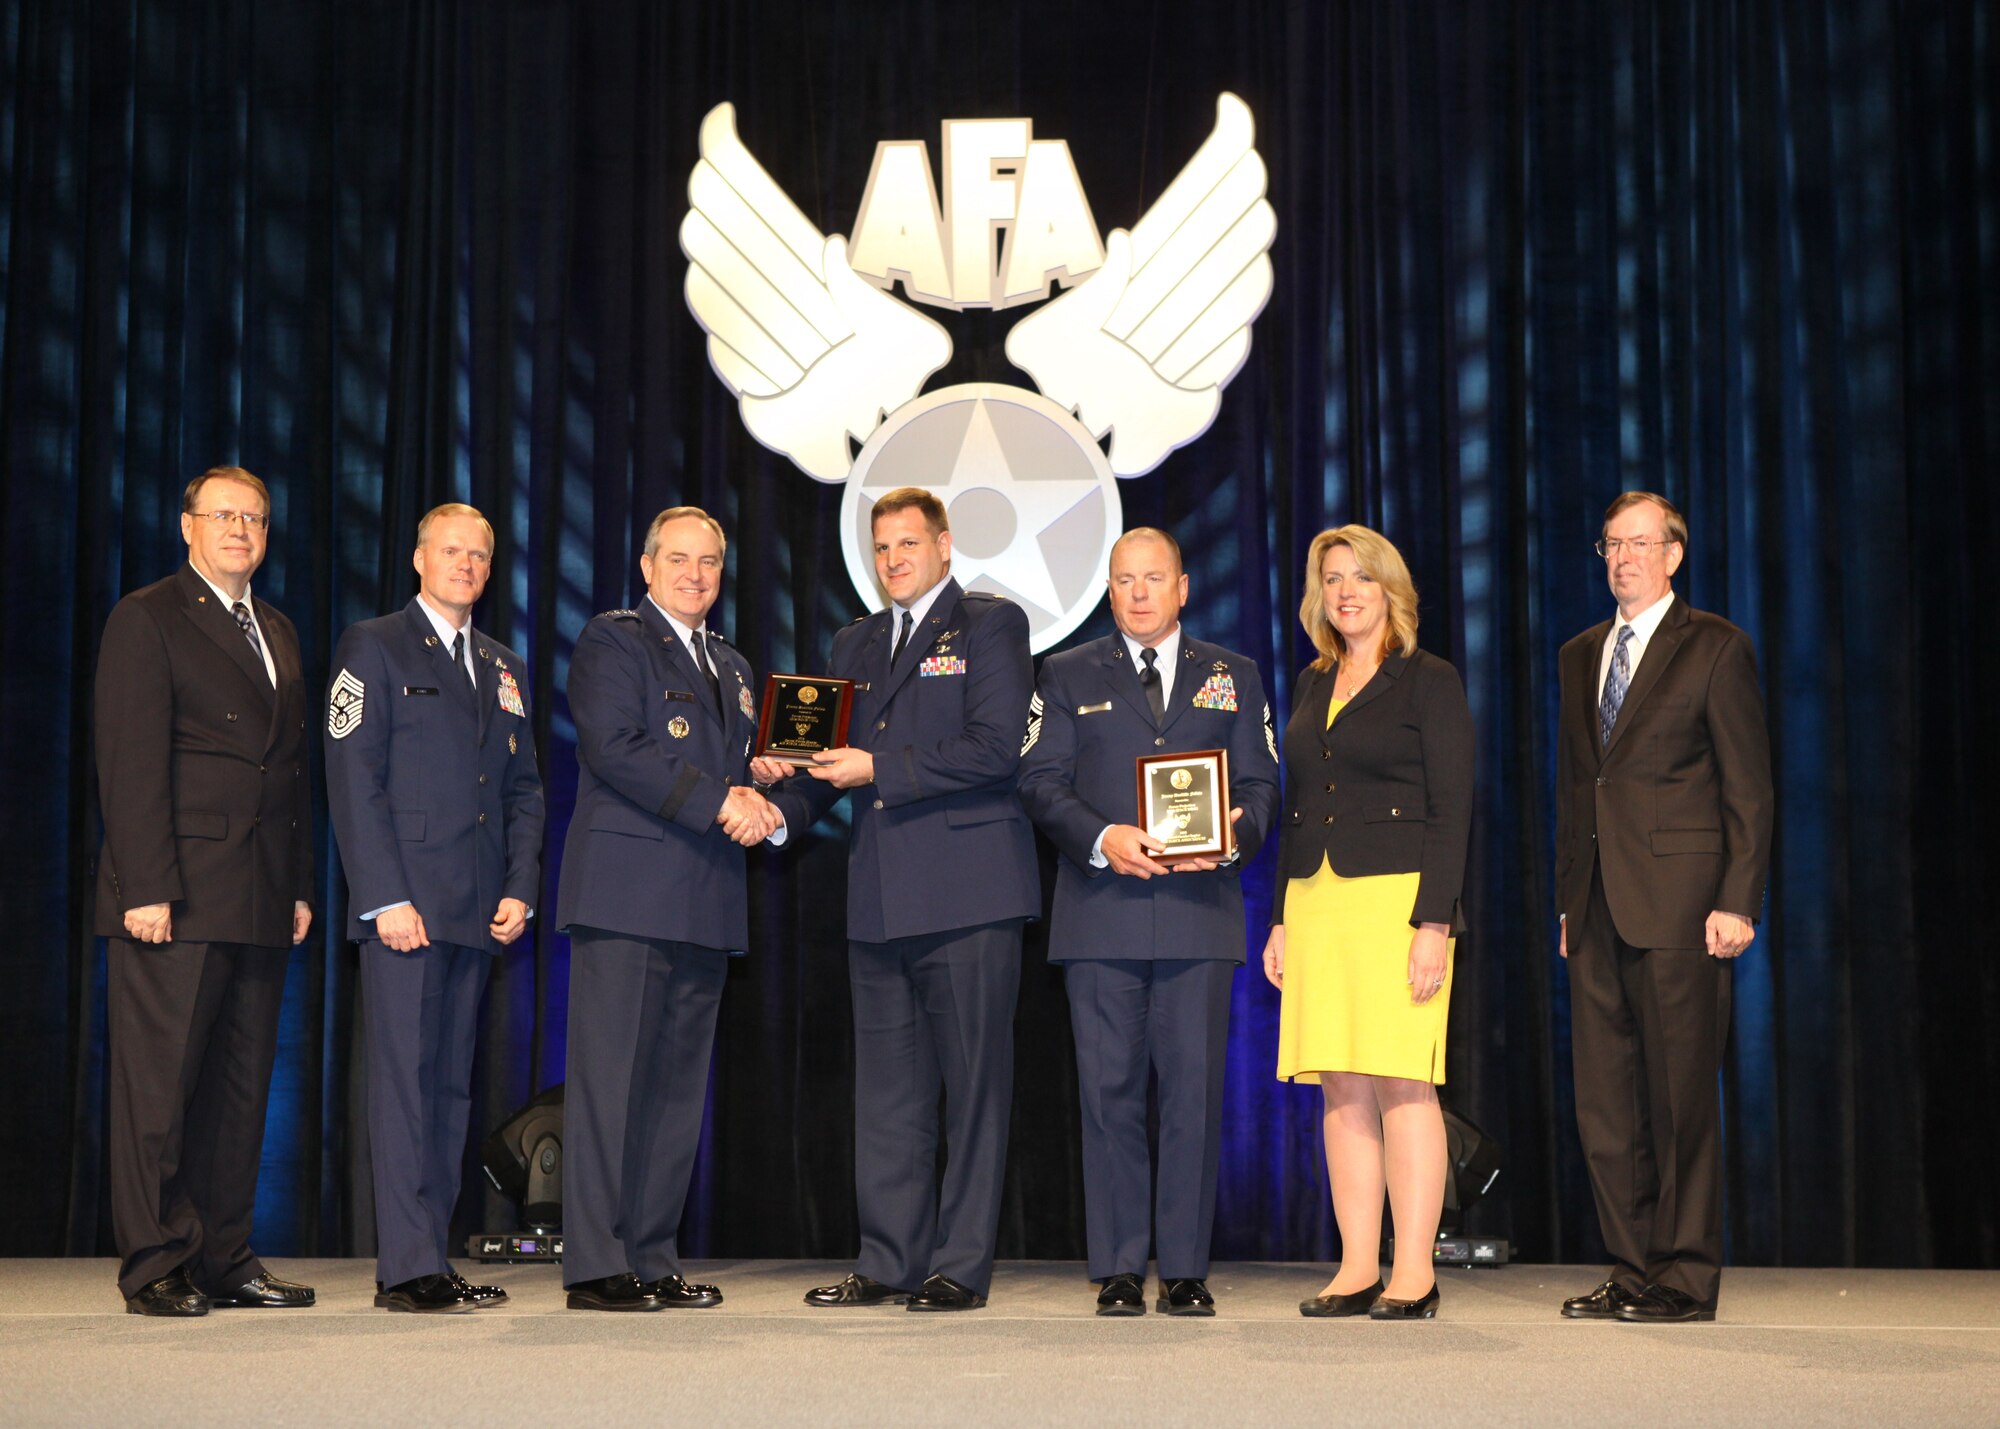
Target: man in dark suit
(437, 808)
(203, 885)
(1663, 839)
(1150, 951)
(941, 875)
(654, 899)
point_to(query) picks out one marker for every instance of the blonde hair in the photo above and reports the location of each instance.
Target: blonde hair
(454, 508)
(1381, 562)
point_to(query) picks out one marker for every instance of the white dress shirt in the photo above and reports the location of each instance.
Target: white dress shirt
(228, 604)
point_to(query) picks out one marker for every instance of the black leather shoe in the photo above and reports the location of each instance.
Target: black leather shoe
(613, 1292)
(264, 1292)
(1664, 1305)
(172, 1294)
(941, 1292)
(856, 1290)
(674, 1293)
(1424, 1309)
(477, 1294)
(1186, 1296)
(424, 1295)
(1603, 1303)
(1122, 1295)
(1322, 1307)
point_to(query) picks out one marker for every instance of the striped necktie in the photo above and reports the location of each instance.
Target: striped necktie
(1615, 686)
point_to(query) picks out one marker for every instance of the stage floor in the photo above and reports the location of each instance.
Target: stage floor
(1790, 1346)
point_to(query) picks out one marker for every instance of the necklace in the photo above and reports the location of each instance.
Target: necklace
(1354, 687)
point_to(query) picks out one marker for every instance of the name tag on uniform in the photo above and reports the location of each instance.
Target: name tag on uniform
(420, 689)
(680, 695)
(1093, 709)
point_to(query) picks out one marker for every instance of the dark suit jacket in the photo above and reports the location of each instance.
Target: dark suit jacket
(1388, 789)
(940, 841)
(435, 795)
(1678, 810)
(201, 768)
(644, 855)
(1093, 723)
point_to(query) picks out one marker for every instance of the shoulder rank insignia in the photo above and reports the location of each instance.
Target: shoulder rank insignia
(619, 615)
(745, 703)
(343, 705)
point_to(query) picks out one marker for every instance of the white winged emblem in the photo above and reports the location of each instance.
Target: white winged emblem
(1138, 351)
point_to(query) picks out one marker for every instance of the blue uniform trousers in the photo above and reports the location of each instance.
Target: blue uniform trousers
(641, 1026)
(420, 1016)
(933, 1013)
(1132, 1018)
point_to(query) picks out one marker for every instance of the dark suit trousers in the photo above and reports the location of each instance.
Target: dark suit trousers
(420, 1017)
(933, 1013)
(641, 1025)
(1132, 1019)
(1648, 1027)
(194, 1031)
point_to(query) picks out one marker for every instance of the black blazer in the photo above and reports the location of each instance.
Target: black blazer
(201, 768)
(1388, 789)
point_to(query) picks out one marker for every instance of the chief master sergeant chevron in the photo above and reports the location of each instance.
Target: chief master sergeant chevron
(437, 807)
(941, 875)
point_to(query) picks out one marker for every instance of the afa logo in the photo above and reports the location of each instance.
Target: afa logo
(1152, 325)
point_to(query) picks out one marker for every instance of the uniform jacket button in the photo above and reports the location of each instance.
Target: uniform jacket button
(260, 769)
(1395, 813)
(482, 818)
(1326, 754)
(881, 724)
(878, 803)
(231, 717)
(1329, 788)
(1327, 820)
(1158, 741)
(482, 778)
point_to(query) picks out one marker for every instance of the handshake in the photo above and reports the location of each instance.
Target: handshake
(747, 816)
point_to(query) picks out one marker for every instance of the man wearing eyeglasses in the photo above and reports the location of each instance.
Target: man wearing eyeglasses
(1664, 810)
(203, 884)
(437, 808)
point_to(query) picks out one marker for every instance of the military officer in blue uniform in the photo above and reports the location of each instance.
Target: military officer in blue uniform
(941, 877)
(654, 899)
(1149, 949)
(437, 809)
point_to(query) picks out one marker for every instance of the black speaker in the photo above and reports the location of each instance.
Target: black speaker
(523, 1159)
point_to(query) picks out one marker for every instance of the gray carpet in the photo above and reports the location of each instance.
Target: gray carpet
(1791, 1346)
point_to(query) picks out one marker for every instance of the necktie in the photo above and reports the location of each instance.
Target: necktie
(707, 669)
(458, 658)
(1615, 686)
(242, 614)
(1150, 678)
(902, 638)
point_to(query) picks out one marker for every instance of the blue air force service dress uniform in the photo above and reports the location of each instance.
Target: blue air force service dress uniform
(941, 875)
(654, 899)
(1148, 963)
(436, 802)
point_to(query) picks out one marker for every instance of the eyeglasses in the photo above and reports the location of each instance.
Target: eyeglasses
(1639, 547)
(251, 520)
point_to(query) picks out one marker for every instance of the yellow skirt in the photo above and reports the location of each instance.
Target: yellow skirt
(1346, 1002)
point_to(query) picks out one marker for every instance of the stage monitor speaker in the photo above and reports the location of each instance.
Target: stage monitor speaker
(523, 1159)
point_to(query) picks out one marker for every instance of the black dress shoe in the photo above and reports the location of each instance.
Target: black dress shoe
(941, 1292)
(477, 1294)
(1122, 1295)
(613, 1292)
(674, 1293)
(1424, 1309)
(424, 1295)
(1664, 1305)
(1185, 1296)
(1603, 1303)
(1322, 1307)
(264, 1292)
(172, 1294)
(856, 1290)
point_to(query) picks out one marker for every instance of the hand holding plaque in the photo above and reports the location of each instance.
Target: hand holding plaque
(1184, 805)
(803, 715)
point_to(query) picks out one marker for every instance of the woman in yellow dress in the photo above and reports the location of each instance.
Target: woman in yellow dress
(1372, 846)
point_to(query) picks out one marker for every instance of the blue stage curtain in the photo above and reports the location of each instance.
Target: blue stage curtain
(386, 254)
